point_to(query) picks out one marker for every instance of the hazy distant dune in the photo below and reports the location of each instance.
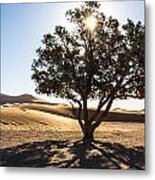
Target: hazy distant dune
(25, 98)
(120, 110)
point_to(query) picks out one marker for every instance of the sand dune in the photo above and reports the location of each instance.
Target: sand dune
(58, 109)
(66, 111)
(53, 122)
(25, 98)
(120, 110)
(15, 118)
(31, 120)
(20, 126)
(38, 133)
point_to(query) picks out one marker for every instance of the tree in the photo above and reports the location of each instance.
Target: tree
(98, 59)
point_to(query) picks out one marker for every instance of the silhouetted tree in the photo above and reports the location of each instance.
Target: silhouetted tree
(97, 59)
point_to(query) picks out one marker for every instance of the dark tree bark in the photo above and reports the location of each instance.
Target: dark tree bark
(93, 122)
(88, 134)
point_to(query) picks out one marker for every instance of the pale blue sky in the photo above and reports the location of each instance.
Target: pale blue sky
(22, 28)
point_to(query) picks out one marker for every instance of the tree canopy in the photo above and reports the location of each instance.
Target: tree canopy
(98, 59)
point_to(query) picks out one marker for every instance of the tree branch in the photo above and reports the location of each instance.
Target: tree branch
(102, 102)
(79, 112)
(73, 109)
(104, 113)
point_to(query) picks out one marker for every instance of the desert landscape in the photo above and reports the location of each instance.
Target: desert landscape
(37, 133)
(73, 85)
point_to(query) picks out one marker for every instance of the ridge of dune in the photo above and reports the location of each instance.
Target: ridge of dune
(15, 118)
(141, 111)
(24, 98)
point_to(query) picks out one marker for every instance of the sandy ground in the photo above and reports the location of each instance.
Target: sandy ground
(21, 122)
(25, 128)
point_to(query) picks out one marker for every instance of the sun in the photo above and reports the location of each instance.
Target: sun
(90, 23)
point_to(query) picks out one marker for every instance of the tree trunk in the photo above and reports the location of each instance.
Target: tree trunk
(88, 134)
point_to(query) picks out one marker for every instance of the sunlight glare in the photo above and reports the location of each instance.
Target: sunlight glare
(90, 23)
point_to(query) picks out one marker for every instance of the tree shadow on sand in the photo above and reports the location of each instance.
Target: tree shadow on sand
(65, 154)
